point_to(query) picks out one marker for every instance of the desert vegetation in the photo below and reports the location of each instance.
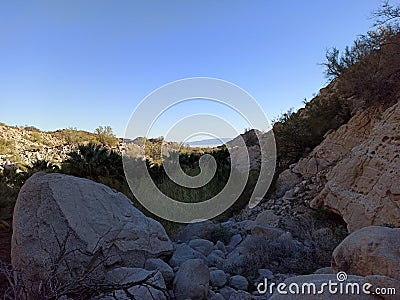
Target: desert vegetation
(364, 74)
(285, 235)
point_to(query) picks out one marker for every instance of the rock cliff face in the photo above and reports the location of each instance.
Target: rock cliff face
(356, 169)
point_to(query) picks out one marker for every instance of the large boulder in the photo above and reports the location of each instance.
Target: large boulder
(71, 228)
(372, 250)
(192, 280)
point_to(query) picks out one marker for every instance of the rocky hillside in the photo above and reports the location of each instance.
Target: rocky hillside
(25, 145)
(19, 145)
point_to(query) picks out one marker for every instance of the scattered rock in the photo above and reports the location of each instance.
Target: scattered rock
(378, 281)
(267, 231)
(286, 180)
(240, 295)
(218, 278)
(201, 245)
(160, 265)
(227, 291)
(239, 282)
(235, 240)
(192, 280)
(217, 296)
(215, 258)
(182, 253)
(265, 273)
(268, 218)
(201, 230)
(326, 270)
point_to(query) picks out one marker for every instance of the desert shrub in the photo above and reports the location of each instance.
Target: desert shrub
(8, 197)
(72, 136)
(42, 165)
(30, 128)
(282, 255)
(34, 136)
(105, 136)
(6, 146)
(190, 165)
(222, 234)
(11, 181)
(297, 133)
(370, 68)
(376, 78)
(321, 230)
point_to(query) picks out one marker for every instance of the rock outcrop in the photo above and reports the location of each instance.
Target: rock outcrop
(65, 226)
(356, 169)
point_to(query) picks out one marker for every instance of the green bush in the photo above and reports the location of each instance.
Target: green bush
(370, 68)
(105, 136)
(297, 133)
(30, 128)
(35, 137)
(6, 146)
(96, 163)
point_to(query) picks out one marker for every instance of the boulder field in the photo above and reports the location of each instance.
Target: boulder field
(79, 239)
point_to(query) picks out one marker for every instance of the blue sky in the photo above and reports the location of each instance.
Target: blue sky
(88, 63)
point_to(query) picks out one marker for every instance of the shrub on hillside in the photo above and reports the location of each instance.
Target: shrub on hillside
(370, 68)
(34, 137)
(106, 136)
(6, 146)
(297, 133)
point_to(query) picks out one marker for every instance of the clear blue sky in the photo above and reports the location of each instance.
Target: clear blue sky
(89, 63)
